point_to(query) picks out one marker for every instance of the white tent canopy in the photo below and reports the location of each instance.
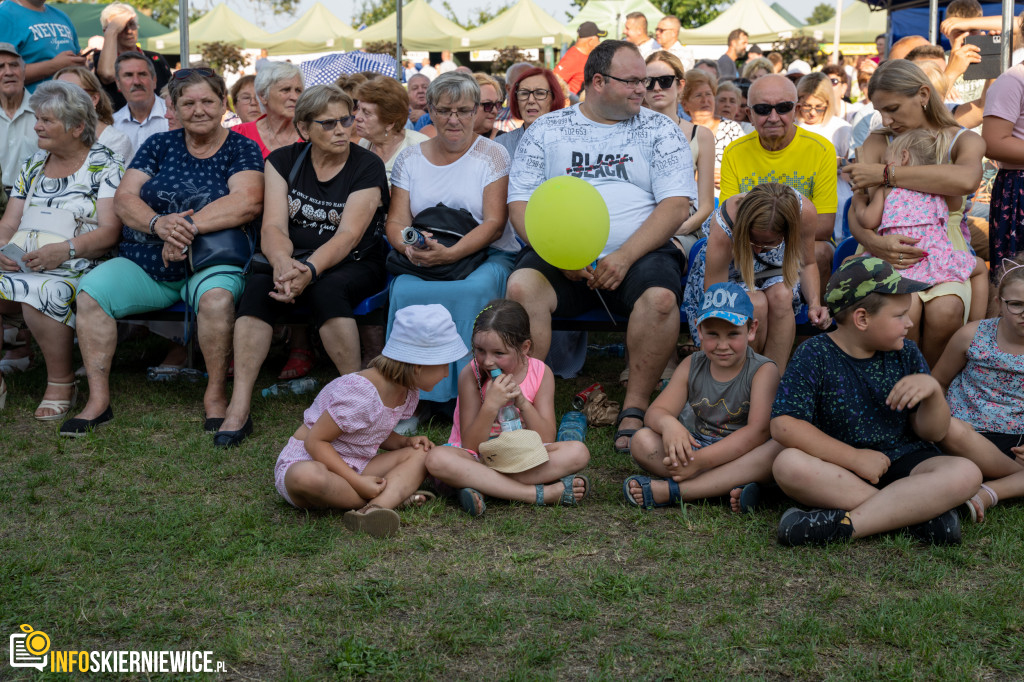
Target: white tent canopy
(760, 21)
(610, 15)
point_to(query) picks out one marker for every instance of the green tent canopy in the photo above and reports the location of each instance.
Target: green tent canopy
(610, 15)
(423, 28)
(220, 24)
(524, 25)
(857, 24)
(760, 21)
(86, 20)
(786, 14)
(317, 30)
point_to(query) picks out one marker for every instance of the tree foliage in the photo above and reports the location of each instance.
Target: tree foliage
(821, 13)
(478, 16)
(799, 47)
(372, 11)
(223, 57)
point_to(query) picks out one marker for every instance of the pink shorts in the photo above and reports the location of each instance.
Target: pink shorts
(294, 451)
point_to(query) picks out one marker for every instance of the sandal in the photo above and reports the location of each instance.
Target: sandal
(418, 499)
(373, 520)
(629, 412)
(60, 407)
(750, 497)
(976, 508)
(568, 498)
(472, 502)
(675, 498)
(300, 362)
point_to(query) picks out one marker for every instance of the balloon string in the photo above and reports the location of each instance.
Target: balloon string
(606, 309)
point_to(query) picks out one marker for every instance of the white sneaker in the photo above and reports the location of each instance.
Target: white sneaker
(8, 365)
(409, 426)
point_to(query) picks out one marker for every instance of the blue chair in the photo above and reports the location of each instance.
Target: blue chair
(846, 219)
(846, 248)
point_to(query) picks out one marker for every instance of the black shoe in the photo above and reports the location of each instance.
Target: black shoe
(76, 428)
(944, 529)
(228, 439)
(212, 424)
(816, 527)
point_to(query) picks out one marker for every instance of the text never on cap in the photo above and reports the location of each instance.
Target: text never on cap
(726, 301)
(858, 277)
(588, 29)
(9, 49)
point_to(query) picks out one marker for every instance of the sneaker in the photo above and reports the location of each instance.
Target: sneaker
(816, 527)
(944, 529)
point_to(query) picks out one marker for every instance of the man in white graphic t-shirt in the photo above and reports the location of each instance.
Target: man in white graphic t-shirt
(640, 163)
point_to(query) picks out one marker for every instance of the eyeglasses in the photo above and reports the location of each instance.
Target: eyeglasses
(766, 109)
(443, 114)
(490, 106)
(766, 247)
(540, 94)
(808, 108)
(631, 82)
(662, 30)
(331, 123)
(664, 81)
(182, 74)
(835, 81)
(1015, 307)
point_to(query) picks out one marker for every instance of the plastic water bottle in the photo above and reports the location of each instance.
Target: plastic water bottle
(572, 427)
(296, 386)
(414, 238)
(612, 350)
(508, 415)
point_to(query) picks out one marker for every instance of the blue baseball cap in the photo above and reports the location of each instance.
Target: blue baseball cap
(726, 301)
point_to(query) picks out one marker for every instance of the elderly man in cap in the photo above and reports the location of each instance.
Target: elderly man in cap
(780, 151)
(17, 121)
(570, 67)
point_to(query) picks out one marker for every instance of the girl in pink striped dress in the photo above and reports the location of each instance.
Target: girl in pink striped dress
(334, 459)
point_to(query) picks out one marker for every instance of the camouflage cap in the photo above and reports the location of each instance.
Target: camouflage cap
(863, 275)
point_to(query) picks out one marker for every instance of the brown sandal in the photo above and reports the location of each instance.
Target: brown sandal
(372, 520)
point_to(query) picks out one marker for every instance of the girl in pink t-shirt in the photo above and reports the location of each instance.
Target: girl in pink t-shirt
(334, 461)
(501, 341)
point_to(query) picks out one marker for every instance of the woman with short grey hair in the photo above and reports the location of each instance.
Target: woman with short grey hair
(74, 178)
(278, 86)
(462, 170)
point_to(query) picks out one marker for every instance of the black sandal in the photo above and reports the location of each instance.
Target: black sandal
(628, 413)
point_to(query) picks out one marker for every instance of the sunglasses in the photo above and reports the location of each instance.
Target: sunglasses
(331, 123)
(766, 109)
(490, 106)
(664, 81)
(182, 74)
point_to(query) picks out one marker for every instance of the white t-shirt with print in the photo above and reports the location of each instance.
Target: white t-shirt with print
(634, 164)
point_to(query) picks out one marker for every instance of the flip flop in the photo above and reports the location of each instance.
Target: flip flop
(629, 412)
(674, 496)
(372, 520)
(472, 502)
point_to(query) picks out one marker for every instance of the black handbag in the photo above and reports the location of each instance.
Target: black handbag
(232, 246)
(448, 226)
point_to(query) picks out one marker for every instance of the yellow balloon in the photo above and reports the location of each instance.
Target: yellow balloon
(567, 222)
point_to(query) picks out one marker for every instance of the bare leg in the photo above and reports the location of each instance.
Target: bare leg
(1004, 475)
(942, 317)
(55, 339)
(823, 252)
(340, 336)
(781, 325)
(252, 343)
(97, 339)
(933, 487)
(404, 471)
(916, 316)
(459, 469)
(533, 291)
(979, 291)
(648, 452)
(214, 323)
(651, 338)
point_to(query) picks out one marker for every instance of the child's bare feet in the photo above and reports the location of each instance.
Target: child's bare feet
(417, 499)
(976, 505)
(659, 491)
(647, 493)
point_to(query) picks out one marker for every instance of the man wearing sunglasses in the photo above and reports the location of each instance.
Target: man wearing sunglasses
(779, 151)
(640, 163)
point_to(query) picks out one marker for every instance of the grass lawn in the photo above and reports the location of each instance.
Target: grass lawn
(143, 536)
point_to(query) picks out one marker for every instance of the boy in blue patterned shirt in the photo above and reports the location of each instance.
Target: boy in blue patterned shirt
(859, 415)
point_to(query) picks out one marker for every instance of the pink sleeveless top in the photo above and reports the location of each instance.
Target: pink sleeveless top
(529, 387)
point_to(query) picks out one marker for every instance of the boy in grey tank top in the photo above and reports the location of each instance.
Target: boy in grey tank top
(707, 433)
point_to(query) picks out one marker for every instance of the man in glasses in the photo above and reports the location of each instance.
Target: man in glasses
(779, 151)
(121, 34)
(667, 35)
(144, 112)
(640, 163)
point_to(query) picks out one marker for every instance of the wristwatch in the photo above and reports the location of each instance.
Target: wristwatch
(71, 249)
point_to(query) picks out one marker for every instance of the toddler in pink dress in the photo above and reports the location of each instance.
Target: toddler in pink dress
(334, 459)
(920, 215)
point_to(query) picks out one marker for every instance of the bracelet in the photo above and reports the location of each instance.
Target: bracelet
(312, 270)
(892, 176)
(887, 175)
(152, 223)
